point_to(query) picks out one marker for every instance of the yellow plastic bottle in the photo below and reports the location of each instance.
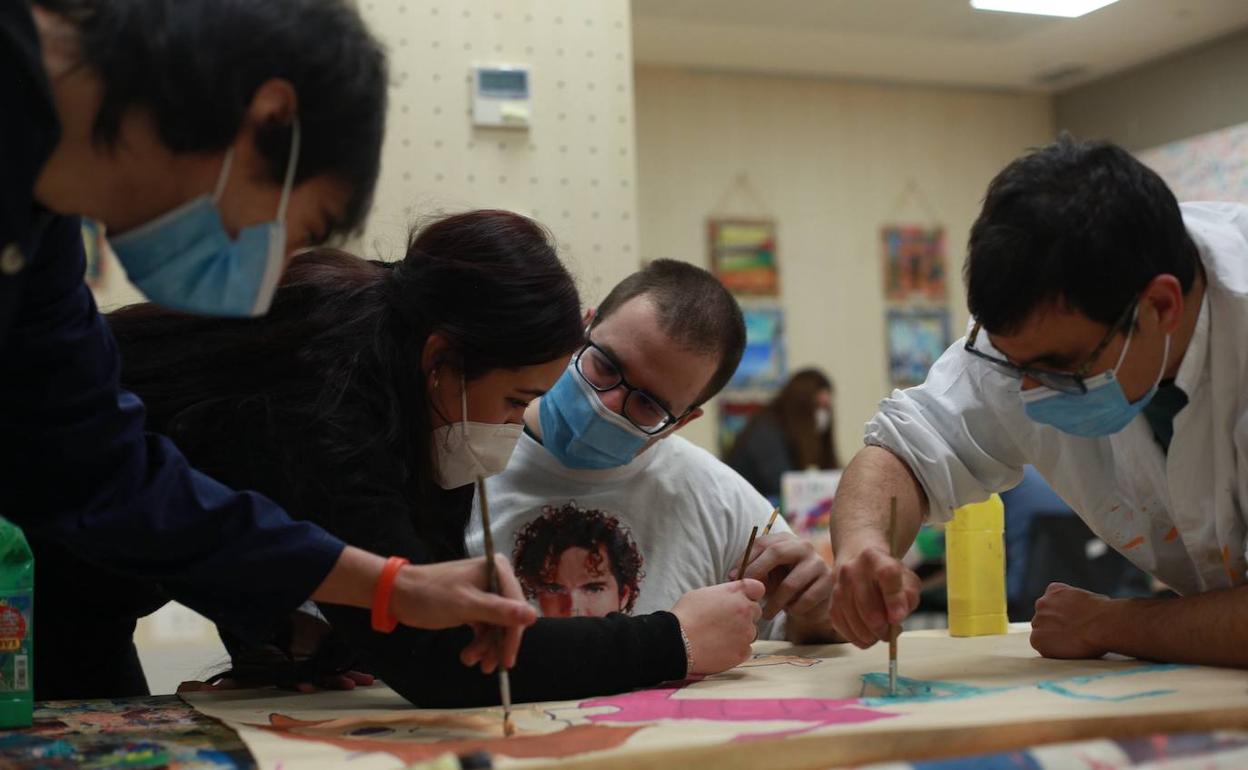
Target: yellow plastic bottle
(975, 569)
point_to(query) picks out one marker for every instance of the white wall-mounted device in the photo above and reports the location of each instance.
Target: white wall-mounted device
(500, 95)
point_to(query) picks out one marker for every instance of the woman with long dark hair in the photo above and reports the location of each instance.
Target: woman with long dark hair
(795, 431)
(347, 403)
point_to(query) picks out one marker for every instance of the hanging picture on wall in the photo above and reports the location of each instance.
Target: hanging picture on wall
(743, 255)
(914, 263)
(916, 338)
(763, 362)
(734, 412)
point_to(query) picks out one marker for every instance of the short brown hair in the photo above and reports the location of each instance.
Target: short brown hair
(695, 310)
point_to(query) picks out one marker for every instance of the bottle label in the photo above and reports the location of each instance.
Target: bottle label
(15, 640)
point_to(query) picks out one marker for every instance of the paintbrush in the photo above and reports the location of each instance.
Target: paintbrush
(745, 557)
(893, 629)
(745, 560)
(491, 577)
(774, 513)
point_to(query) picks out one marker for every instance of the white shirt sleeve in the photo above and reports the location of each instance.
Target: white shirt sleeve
(961, 432)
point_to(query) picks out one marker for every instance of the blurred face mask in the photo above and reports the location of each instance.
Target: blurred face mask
(823, 419)
(185, 260)
(465, 450)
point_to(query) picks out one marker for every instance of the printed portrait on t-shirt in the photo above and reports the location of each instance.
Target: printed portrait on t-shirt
(578, 563)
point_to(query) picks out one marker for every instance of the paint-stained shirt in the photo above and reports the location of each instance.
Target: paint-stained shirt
(1180, 515)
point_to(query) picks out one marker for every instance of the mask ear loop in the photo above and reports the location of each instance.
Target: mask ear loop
(463, 406)
(223, 176)
(288, 183)
(1127, 345)
(1165, 359)
(291, 163)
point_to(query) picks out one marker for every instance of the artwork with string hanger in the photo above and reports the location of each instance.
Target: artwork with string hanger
(914, 254)
(743, 247)
(915, 288)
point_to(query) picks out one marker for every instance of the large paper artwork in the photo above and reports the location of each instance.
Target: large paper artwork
(788, 707)
(159, 731)
(1208, 167)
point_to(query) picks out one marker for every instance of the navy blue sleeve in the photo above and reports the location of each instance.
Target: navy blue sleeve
(77, 466)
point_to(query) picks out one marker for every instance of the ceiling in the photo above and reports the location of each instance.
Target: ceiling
(940, 42)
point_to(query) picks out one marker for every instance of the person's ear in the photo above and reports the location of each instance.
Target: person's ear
(588, 318)
(1164, 295)
(434, 354)
(683, 421)
(275, 103)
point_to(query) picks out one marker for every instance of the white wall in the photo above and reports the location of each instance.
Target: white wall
(574, 169)
(830, 162)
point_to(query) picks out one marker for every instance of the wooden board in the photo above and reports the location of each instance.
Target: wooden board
(790, 707)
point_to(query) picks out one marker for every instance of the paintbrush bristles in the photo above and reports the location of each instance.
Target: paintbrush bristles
(774, 513)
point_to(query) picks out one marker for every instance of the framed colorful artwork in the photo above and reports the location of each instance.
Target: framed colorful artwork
(743, 255)
(914, 264)
(763, 361)
(734, 413)
(916, 338)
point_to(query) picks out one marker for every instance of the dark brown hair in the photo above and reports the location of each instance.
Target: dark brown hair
(695, 311)
(793, 408)
(333, 376)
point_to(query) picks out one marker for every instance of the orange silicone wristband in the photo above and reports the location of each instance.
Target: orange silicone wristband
(383, 620)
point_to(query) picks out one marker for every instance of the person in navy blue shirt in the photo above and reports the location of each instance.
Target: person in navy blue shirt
(211, 138)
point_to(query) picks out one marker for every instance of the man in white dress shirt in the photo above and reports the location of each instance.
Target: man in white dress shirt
(1110, 350)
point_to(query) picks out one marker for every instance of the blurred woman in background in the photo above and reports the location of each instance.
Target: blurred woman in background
(795, 431)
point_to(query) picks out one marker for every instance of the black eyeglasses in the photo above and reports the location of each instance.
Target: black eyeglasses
(1065, 382)
(603, 374)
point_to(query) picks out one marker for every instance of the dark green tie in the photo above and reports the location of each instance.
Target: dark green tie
(1160, 412)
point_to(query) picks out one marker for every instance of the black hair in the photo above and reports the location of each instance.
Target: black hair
(195, 65)
(695, 311)
(1077, 222)
(333, 377)
(541, 543)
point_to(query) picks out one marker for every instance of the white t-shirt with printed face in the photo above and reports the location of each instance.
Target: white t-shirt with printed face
(631, 539)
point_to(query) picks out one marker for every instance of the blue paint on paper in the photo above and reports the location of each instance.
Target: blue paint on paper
(1064, 686)
(925, 691)
(919, 691)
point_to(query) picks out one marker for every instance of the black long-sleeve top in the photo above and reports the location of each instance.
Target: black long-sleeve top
(364, 500)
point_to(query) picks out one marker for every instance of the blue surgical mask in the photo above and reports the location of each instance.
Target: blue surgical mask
(581, 432)
(1102, 411)
(186, 261)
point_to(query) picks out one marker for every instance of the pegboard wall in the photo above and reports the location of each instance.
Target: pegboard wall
(573, 169)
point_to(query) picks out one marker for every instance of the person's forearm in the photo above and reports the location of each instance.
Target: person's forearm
(353, 579)
(860, 511)
(560, 659)
(1209, 629)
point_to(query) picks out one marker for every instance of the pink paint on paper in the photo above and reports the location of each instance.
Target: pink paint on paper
(659, 704)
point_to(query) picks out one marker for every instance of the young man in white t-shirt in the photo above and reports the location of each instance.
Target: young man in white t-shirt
(602, 509)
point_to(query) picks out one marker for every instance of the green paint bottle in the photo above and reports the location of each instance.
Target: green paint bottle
(17, 630)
